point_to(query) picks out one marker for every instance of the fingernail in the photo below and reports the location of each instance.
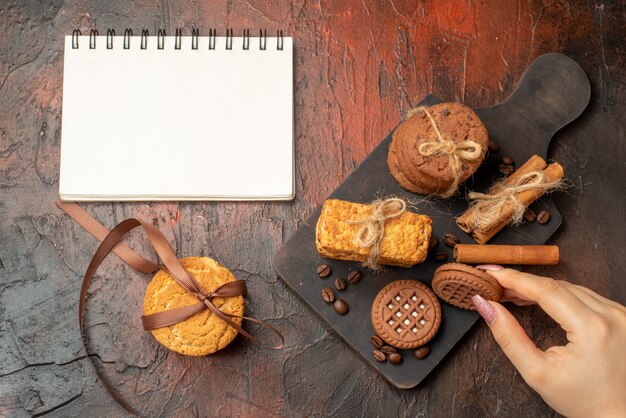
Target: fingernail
(484, 308)
(490, 267)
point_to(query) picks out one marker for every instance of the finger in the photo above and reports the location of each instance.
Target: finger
(509, 295)
(511, 337)
(587, 298)
(565, 308)
(598, 297)
(518, 302)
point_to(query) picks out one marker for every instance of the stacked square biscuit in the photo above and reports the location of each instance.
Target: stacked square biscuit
(405, 239)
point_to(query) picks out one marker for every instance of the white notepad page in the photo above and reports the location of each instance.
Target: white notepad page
(168, 124)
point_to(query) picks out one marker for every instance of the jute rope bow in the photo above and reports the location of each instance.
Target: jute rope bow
(487, 208)
(373, 227)
(467, 150)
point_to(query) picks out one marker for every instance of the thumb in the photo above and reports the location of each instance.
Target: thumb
(511, 337)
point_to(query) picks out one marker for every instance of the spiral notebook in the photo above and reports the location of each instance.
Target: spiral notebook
(177, 117)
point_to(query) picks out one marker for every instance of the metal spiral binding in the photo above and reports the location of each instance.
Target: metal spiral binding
(75, 34)
(195, 34)
(178, 38)
(212, 36)
(279, 40)
(110, 35)
(144, 38)
(262, 39)
(194, 38)
(127, 34)
(161, 39)
(92, 38)
(229, 38)
(246, 39)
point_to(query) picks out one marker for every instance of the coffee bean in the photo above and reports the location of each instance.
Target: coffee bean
(493, 146)
(324, 271)
(530, 215)
(440, 256)
(450, 240)
(543, 217)
(376, 341)
(506, 170)
(328, 295)
(355, 276)
(508, 161)
(379, 355)
(387, 349)
(433, 243)
(341, 307)
(422, 352)
(395, 358)
(340, 284)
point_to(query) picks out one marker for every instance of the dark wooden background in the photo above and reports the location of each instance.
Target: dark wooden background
(358, 67)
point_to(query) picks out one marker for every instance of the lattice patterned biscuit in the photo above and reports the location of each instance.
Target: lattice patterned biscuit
(406, 314)
(456, 284)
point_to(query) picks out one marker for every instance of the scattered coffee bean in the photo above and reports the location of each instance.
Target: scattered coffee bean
(543, 217)
(440, 256)
(341, 306)
(328, 295)
(530, 215)
(340, 284)
(355, 276)
(433, 243)
(506, 170)
(450, 240)
(508, 161)
(387, 349)
(422, 352)
(493, 146)
(377, 342)
(324, 271)
(395, 358)
(379, 355)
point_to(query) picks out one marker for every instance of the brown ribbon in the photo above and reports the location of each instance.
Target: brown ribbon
(111, 242)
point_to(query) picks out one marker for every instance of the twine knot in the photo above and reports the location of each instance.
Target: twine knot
(372, 231)
(467, 150)
(487, 207)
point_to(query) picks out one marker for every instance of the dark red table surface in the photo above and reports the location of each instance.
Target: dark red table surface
(358, 67)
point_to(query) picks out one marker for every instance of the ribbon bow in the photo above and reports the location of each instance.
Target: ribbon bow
(467, 150)
(111, 242)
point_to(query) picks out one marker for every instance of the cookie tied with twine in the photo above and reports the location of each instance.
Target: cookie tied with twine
(436, 148)
(382, 233)
(457, 152)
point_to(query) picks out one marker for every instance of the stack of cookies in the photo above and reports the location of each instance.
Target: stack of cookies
(431, 173)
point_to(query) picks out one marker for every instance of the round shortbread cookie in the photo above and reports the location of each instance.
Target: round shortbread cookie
(203, 333)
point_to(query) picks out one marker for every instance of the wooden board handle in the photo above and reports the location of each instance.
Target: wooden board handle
(552, 92)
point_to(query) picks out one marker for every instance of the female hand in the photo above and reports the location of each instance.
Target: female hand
(586, 377)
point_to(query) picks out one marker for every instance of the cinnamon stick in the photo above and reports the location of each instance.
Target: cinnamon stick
(552, 172)
(534, 163)
(539, 255)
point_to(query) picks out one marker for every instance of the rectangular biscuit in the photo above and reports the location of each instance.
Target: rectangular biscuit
(405, 240)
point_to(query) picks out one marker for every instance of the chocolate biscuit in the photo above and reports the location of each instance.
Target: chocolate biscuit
(406, 314)
(456, 283)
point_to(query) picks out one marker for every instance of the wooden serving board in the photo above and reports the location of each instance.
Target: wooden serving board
(553, 91)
